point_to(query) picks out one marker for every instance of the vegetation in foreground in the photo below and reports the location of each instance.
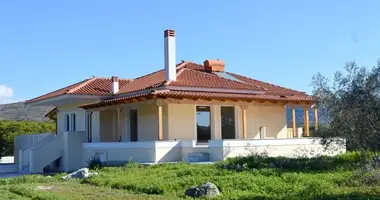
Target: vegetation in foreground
(353, 176)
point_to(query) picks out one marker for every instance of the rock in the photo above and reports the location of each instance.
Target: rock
(208, 189)
(194, 192)
(80, 174)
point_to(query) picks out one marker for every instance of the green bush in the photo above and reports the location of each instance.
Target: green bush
(10, 129)
(347, 161)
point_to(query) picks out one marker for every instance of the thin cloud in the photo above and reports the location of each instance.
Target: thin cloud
(5, 91)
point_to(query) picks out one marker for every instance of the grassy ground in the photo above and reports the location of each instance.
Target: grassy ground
(169, 181)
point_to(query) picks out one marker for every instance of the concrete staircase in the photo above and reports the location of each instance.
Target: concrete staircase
(8, 168)
(41, 155)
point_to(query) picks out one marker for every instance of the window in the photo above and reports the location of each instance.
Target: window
(73, 122)
(228, 122)
(67, 122)
(203, 124)
(70, 122)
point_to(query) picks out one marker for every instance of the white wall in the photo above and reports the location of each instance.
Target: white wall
(304, 147)
(79, 117)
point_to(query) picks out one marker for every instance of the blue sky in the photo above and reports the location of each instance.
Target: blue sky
(46, 45)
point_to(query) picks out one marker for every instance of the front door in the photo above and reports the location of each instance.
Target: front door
(133, 125)
(203, 124)
(228, 122)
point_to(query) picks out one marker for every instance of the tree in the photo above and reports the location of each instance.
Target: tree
(352, 103)
(10, 129)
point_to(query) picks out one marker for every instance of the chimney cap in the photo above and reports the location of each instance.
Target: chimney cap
(214, 65)
(115, 79)
(169, 32)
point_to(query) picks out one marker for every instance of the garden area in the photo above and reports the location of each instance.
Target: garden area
(353, 175)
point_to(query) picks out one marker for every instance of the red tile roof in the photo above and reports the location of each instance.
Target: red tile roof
(190, 76)
(92, 86)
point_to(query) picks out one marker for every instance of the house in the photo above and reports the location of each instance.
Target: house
(185, 112)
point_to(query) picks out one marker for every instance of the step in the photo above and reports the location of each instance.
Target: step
(8, 168)
(198, 157)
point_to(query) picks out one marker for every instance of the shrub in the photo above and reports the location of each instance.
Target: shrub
(94, 163)
(346, 161)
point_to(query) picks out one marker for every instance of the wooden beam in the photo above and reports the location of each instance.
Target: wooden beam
(244, 120)
(160, 125)
(315, 118)
(306, 122)
(294, 127)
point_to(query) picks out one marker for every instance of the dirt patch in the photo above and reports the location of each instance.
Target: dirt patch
(44, 187)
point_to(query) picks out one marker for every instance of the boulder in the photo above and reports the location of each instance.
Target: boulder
(208, 189)
(79, 174)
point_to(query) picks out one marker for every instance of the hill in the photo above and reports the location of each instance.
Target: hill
(20, 111)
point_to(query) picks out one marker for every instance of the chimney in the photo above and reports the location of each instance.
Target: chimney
(170, 59)
(115, 84)
(214, 65)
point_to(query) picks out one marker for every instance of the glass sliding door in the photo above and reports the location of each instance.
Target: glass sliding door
(203, 124)
(228, 122)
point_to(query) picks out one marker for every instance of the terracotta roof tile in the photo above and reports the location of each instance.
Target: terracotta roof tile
(152, 80)
(190, 75)
(271, 88)
(92, 86)
(203, 79)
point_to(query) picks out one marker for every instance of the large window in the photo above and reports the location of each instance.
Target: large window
(133, 125)
(203, 124)
(228, 122)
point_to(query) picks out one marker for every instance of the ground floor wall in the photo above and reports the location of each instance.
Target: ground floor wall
(189, 151)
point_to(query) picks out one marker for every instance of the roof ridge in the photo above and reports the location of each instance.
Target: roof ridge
(125, 79)
(81, 85)
(271, 84)
(183, 64)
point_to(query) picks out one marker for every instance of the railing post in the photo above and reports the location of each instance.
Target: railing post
(20, 160)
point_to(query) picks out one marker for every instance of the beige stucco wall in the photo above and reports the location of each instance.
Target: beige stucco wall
(181, 121)
(148, 122)
(107, 126)
(272, 117)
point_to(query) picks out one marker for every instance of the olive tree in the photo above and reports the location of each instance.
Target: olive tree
(351, 102)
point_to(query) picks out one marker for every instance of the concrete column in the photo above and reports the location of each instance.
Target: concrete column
(160, 126)
(118, 135)
(244, 120)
